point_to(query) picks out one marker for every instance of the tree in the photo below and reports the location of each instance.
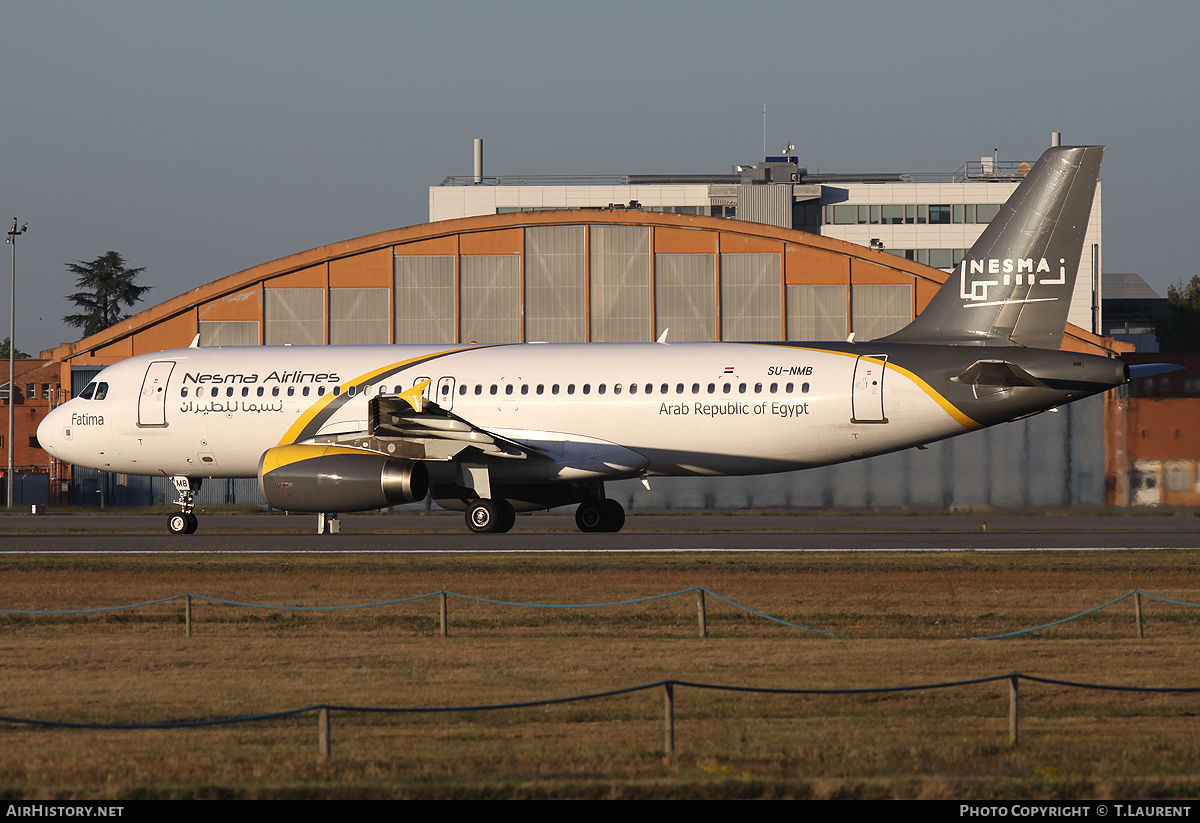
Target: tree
(1179, 327)
(17, 355)
(108, 285)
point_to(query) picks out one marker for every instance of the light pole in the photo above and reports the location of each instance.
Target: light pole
(13, 233)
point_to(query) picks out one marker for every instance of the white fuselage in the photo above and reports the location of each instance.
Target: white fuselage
(671, 409)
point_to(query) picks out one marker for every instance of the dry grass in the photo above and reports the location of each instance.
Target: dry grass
(904, 619)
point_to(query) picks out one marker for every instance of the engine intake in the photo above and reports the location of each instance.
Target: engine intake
(311, 477)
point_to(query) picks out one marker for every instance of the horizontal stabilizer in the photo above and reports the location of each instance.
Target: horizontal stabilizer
(1151, 369)
(997, 373)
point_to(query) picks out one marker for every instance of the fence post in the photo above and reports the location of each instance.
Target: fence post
(187, 613)
(1137, 614)
(700, 615)
(324, 744)
(442, 611)
(1013, 710)
(669, 720)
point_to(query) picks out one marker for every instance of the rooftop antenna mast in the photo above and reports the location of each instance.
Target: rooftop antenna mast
(764, 154)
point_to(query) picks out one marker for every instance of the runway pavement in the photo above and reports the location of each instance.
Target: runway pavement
(774, 532)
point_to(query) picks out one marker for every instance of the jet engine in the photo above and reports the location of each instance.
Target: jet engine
(316, 477)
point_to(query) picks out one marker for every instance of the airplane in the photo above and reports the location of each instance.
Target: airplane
(496, 429)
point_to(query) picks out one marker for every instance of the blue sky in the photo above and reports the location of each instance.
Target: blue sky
(201, 139)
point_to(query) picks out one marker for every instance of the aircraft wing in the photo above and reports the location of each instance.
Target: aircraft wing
(439, 433)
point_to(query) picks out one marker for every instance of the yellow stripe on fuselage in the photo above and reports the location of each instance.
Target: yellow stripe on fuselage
(316, 408)
(950, 409)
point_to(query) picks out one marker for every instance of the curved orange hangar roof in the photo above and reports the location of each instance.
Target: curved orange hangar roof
(1076, 338)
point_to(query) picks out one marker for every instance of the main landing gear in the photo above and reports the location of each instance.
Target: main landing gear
(490, 516)
(604, 515)
(185, 522)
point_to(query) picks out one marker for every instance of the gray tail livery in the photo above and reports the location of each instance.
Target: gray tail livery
(1014, 286)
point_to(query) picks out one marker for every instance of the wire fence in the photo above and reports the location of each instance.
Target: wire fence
(443, 597)
(324, 712)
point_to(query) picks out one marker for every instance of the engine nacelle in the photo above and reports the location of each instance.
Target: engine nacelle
(314, 477)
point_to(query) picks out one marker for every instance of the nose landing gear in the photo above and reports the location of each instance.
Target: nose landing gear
(185, 522)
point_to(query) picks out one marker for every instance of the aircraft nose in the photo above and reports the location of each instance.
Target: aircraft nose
(49, 432)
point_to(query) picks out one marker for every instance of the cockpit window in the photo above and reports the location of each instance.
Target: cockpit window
(94, 391)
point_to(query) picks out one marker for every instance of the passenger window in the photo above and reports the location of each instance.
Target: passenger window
(554, 389)
(570, 388)
(804, 388)
(337, 390)
(665, 388)
(789, 388)
(199, 391)
(245, 391)
(541, 388)
(306, 391)
(291, 391)
(632, 388)
(524, 388)
(479, 389)
(712, 387)
(695, 388)
(274, 391)
(508, 389)
(493, 389)
(726, 388)
(261, 391)
(758, 388)
(184, 392)
(741, 388)
(679, 388)
(601, 388)
(229, 392)
(587, 388)
(320, 391)
(462, 389)
(350, 391)
(774, 388)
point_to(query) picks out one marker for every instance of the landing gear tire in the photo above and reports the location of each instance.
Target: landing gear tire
(614, 514)
(182, 523)
(600, 516)
(490, 516)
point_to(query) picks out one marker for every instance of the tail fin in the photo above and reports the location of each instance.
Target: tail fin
(1014, 286)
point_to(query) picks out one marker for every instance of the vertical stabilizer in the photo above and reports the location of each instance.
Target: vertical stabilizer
(1014, 286)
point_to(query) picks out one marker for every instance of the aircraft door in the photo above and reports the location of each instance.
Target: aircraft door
(445, 393)
(866, 398)
(152, 404)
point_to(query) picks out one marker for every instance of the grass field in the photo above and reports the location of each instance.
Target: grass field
(901, 619)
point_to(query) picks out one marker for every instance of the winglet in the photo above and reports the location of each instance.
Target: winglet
(195, 344)
(415, 396)
(662, 338)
